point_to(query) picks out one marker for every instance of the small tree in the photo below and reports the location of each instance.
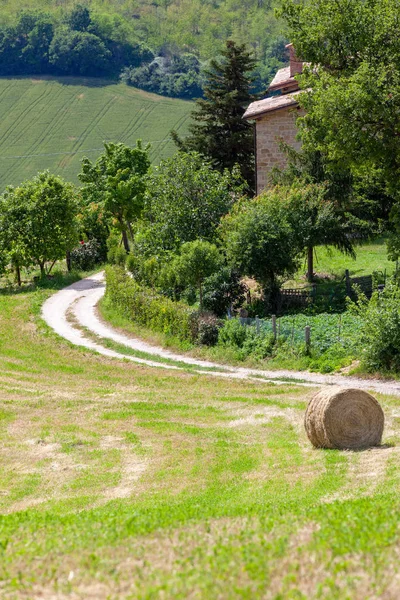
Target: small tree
(315, 221)
(260, 241)
(117, 181)
(38, 221)
(197, 261)
(185, 200)
(219, 131)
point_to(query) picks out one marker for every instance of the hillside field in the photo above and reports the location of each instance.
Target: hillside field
(52, 123)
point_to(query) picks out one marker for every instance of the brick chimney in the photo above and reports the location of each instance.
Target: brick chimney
(296, 65)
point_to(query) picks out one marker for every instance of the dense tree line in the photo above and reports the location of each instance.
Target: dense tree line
(78, 45)
(86, 41)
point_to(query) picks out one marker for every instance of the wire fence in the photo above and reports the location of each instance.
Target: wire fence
(320, 331)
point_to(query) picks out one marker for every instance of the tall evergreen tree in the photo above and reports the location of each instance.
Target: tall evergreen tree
(219, 131)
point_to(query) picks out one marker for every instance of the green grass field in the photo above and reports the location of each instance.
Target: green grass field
(370, 257)
(53, 123)
(124, 481)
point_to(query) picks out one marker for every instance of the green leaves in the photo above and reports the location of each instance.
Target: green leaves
(117, 181)
(38, 220)
(353, 111)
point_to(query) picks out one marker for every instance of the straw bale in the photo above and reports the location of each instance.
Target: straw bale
(344, 418)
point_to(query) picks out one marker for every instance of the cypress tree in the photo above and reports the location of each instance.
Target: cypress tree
(219, 131)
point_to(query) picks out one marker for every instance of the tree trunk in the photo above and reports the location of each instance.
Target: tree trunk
(18, 274)
(125, 241)
(201, 295)
(130, 230)
(68, 260)
(310, 264)
(42, 269)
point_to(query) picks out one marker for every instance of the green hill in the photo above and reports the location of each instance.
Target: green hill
(52, 123)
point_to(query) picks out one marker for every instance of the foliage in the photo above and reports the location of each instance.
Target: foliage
(260, 241)
(144, 306)
(196, 261)
(219, 131)
(79, 53)
(208, 326)
(80, 44)
(380, 333)
(223, 291)
(86, 256)
(93, 225)
(117, 181)
(315, 220)
(177, 76)
(176, 27)
(246, 340)
(185, 200)
(351, 112)
(38, 220)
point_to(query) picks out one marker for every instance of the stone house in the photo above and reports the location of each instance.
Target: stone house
(275, 118)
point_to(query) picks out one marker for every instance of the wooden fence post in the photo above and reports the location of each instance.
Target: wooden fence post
(274, 325)
(307, 333)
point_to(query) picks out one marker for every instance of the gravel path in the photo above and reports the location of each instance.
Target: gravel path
(81, 299)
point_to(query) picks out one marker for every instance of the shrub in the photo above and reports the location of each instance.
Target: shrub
(380, 332)
(222, 291)
(143, 306)
(246, 339)
(86, 256)
(208, 329)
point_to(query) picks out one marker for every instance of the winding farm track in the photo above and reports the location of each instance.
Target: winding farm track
(72, 314)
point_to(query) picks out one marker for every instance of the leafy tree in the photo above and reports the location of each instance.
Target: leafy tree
(197, 260)
(38, 221)
(315, 220)
(79, 18)
(185, 200)
(117, 181)
(219, 131)
(353, 104)
(79, 53)
(260, 241)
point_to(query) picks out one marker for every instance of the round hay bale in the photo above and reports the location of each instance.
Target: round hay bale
(344, 418)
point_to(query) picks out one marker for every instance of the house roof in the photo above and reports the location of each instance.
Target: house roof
(283, 79)
(256, 109)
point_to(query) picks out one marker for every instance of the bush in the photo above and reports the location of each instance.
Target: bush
(246, 339)
(222, 291)
(86, 256)
(117, 255)
(143, 306)
(208, 327)
(380, 333)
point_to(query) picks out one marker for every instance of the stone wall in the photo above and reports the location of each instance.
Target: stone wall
(270, 128)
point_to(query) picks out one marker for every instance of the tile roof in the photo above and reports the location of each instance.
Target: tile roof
(282, 77)
(256, 109)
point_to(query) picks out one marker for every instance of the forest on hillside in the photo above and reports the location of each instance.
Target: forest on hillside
(159, 45)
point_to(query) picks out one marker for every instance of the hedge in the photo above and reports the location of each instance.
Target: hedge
(145, 307)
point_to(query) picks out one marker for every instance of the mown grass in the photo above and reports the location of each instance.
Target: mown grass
(52, 123)
(124, 481)
(370, 257)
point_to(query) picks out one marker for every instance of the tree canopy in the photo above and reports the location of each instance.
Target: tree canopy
(185, 200)
(38, 221)
(353, 102)
(117, 182)
(219, 131)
